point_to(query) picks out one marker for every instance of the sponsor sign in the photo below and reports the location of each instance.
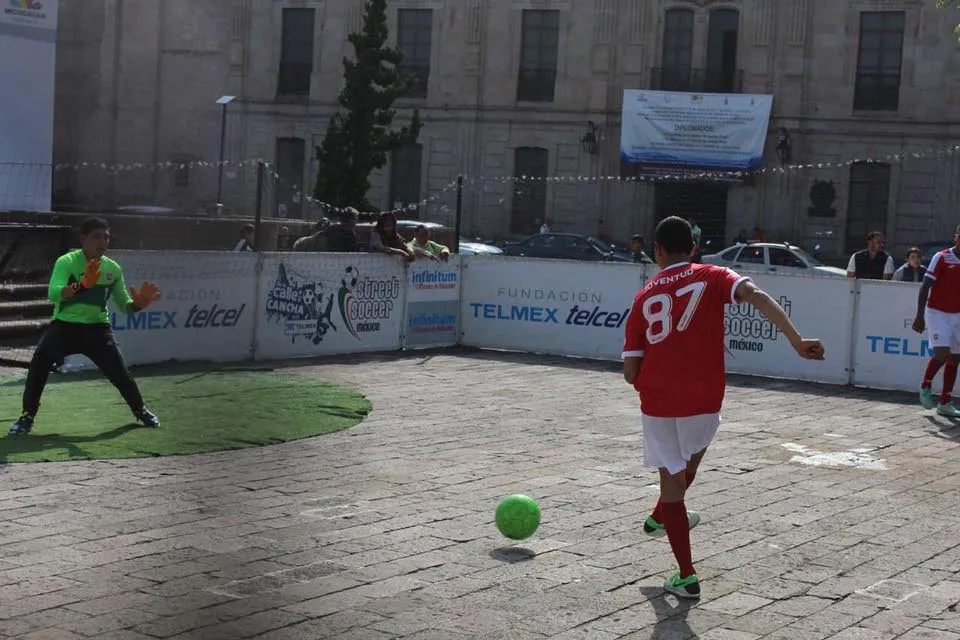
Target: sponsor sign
(433, 303)
(547, 306)
(337, 304)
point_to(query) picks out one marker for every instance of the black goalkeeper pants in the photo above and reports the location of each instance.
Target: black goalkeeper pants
(97, 342)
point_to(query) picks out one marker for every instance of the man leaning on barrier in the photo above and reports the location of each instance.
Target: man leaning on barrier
(423, 247)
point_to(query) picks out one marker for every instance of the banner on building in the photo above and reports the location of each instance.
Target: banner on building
(547, 306)
(321, 304)
(433, 303)
(710, 130)
(28, 52)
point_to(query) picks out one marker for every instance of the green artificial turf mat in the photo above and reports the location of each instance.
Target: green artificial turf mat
(82, 416)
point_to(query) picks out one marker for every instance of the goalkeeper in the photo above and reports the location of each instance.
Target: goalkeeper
(82, 282)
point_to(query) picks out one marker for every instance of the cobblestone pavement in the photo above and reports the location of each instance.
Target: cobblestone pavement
(827, 513)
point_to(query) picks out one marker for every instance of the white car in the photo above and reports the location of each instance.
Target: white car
(772, 257)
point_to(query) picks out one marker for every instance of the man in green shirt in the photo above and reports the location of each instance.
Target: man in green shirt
(424, 247)
(82, 282)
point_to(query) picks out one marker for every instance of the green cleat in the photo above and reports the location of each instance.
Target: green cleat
(926, 398)
(655, 529)
(688, 588)
(948, 410)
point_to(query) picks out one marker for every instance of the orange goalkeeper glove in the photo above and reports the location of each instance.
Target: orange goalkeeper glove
(145, 296)
(91, 274)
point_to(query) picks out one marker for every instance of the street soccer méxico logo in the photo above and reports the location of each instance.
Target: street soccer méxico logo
(304, 306)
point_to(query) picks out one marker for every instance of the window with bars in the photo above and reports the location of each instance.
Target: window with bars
(529, 207)
(414, 34)
(879, 61)
(677, 52)
(539, 45)
(406, 166)
(867, 203)
(296, 52)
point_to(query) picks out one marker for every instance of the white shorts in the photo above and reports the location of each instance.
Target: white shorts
(943, 329)
(671, 442)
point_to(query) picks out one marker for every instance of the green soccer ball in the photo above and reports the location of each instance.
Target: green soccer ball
(518, 516)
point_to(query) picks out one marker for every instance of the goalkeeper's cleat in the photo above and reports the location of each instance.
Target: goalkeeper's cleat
(147, 417)
(22, 426)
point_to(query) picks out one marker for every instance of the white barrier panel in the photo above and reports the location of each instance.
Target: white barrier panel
(888, 354)
(206, 310)
(819, 307)
(320, 304)
(547, 306)
(433, 303)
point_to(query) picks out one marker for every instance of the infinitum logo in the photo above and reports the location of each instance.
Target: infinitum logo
(25, 9)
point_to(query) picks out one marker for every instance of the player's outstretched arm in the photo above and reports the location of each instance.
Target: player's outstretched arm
(750, 293)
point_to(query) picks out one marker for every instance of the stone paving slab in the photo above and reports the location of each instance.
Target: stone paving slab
(827, 513)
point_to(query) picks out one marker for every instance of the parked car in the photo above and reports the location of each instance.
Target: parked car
(566, 246)
(772, 257)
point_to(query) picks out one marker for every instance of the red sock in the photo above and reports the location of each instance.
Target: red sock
(658, 508)
(949, 377)
(933, 366)
(678, 533)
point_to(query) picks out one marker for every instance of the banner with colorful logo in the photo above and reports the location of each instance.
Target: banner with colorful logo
(319, 304)
(433, 303)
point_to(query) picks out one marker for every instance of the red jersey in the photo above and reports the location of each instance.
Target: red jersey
(676, 326)
(944, 271)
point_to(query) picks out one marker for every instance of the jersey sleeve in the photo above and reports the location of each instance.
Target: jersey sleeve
(889, 267)
(635, 341)
(121, 296)
(727, 281)
(852, 265)
(936, 266)
(59, 278)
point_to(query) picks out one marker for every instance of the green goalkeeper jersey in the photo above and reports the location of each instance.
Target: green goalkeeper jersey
(88, 306)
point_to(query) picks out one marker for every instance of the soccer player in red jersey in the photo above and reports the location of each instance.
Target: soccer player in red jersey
(938, 310)
(673, 356)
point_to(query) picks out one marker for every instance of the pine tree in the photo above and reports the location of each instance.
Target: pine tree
(358, 141)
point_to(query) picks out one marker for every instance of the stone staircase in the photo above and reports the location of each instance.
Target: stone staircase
(27, 254)
(24, 313)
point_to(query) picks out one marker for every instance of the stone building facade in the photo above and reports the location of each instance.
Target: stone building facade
(509, 87)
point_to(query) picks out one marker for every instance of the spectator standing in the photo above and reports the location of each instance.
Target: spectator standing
(246, 238)
(316, 241)
(342, 237)
(424, 247)
(636, 248)
(385, 239)
(912, 270)
(872, 263)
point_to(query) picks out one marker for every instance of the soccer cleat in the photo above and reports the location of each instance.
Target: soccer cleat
(948, 410)
(688, 588)
(147, 417)
(655, 529)
(22, 426)
(926, 398)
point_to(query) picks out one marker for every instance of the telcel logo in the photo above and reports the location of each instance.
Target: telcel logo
(577, 316)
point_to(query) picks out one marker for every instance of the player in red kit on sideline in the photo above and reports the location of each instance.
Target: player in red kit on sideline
(938, 310)
(673, 355)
